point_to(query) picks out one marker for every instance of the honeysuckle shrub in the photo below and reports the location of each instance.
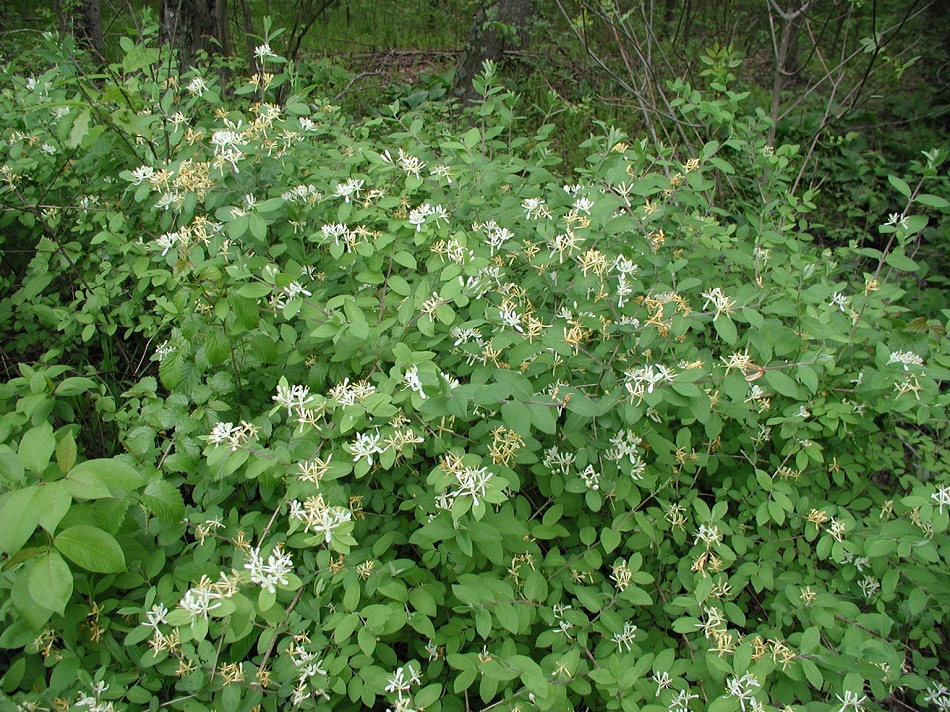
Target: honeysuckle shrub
(325, 414)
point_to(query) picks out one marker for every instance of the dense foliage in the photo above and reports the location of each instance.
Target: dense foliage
(329, 414)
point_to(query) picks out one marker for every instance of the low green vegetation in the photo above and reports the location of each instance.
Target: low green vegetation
(310, 411)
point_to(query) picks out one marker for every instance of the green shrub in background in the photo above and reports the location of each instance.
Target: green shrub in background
(335, 415)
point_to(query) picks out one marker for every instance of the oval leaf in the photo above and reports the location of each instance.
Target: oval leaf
(91, 548)
(51, 582)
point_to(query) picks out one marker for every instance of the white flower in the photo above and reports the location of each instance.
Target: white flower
(334, 231)
(225, 138)
(742, 688)
(897, 219)
(680, 703)
(496, 236)
(365, 446)
(869, 586)
(294, 289)
(441, 171)
(269, 574)
(942, 497)
(156, 616)
(410, 164)
(583, 205)
(709, 535)
(142, 174)
(473, 482)
(535, 208)
(411, 380)
(438, 214)
(720, 302)
(48, 149)
(591, 478)
(662, 680)
(641, 381)
(350, 189)
(510, 317)
(418, 216)
(851, 700)
(906, 358)
(624, 639)
(197, 86)
(625, 266)
(167, 241)
(839, 300)
(163, 349)
(555, 460)
(328, 520)
(263, 51)
(198, 602)
(939, 695)
(292, 397)
(400, 683)
(624, 290)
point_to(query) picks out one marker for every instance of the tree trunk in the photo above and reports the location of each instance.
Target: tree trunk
(89, 27)
(786, 59)
(223, 27)
(486, 41)
(189, 26)
(248, 31)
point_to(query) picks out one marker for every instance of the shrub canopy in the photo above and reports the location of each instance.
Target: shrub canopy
(329, 414)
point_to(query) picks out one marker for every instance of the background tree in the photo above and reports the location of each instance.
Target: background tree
(498, 27)
(194, 26)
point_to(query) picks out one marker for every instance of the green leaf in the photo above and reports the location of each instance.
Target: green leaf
(932, 201)
(811, 639)
(51, 503)
(610, 538)
(66, 453)
(79, 129)
(726, 329)
(18, 518)
(164, 500)
(217, 348)
(91, 548)
(74, 386)
(106, 477)
(812, 673)
(255, 290)
(171, 370)
(37, 447)
(51, 582)
(471, 138)
(901, 262)
(899, 185)
(783, 383)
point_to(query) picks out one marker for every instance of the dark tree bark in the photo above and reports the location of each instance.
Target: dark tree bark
(88, 27)
(189, 26)
(488, 42)
(248, 32)
(222, 27)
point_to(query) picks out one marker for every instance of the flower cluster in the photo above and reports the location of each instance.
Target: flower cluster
(743, 688)
(318, 517)
(640, 381)
(232, 435)
(272, 572)
(292, 397)
(905, 358)
(401, 682)
(719, 301)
